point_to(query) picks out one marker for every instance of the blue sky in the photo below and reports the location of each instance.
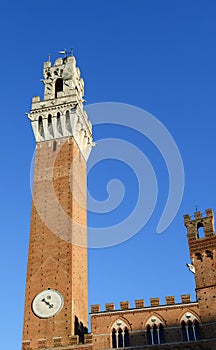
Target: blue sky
(157, 55)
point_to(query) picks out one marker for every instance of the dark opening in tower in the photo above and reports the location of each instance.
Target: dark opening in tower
(58, 86)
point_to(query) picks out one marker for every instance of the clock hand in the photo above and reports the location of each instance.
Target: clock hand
(47, 303)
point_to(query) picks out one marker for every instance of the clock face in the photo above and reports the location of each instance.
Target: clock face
(47, 303)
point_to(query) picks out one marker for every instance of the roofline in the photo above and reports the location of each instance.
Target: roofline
(177, 305)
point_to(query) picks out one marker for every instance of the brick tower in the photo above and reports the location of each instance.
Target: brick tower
(202, 245)
(56, 304)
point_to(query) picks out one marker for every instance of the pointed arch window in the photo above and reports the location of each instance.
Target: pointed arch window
(149, 335)
(50, 127)
(190, 327)
(40, 126)
(126, 337)
(120, 335)
(68, 122)
(161, 334)
(120, 338)
(156, 339)
(58, 86)
(155, 331)
(197, 330)
(58, 122)
(114, 342)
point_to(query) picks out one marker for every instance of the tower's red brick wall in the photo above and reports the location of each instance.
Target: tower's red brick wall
(58, 219)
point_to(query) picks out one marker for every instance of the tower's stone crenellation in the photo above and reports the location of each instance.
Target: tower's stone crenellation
(61, 113)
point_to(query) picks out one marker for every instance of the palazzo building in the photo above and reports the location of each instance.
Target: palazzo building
(56, 303)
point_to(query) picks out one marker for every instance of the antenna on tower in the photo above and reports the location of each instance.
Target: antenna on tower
(196, 208)
(49, 57)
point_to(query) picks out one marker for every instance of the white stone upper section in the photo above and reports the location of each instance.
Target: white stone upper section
(61, 113)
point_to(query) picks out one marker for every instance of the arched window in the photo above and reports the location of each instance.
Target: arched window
(120, 335)
(49, 120)
(59, 127)
(58, 86)
(197, 331)
(126, 337)
(190, 327)
(190, 331)
(120, 338)
(155, 335)
(184, 333)
(114, 343)
(50, 127)
(67, 121)
(161, 334)
(40, 126)
(149, 335)
(200, 230)
(155, 331)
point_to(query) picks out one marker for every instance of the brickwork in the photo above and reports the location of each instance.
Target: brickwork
(57, 259)
(137, 320)
(54, 262)
(171, 316)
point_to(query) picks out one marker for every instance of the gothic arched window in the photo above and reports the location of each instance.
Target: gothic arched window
(114, 343)
(50, 127)
(197, 331)
(67, 121)
(40, 126)
(155, 331)
(49, 120)
(120, 335)
(120, 338)
(149, 335)
(161, 334)
(58, 86)
(126, 337)
(190, 327)
(59, 127)
(155, 335)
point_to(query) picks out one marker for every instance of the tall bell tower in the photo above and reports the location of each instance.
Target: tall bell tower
(56, 304)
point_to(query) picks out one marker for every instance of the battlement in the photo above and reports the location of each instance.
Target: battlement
(199, 222)
(61, 113)
(140, 304)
